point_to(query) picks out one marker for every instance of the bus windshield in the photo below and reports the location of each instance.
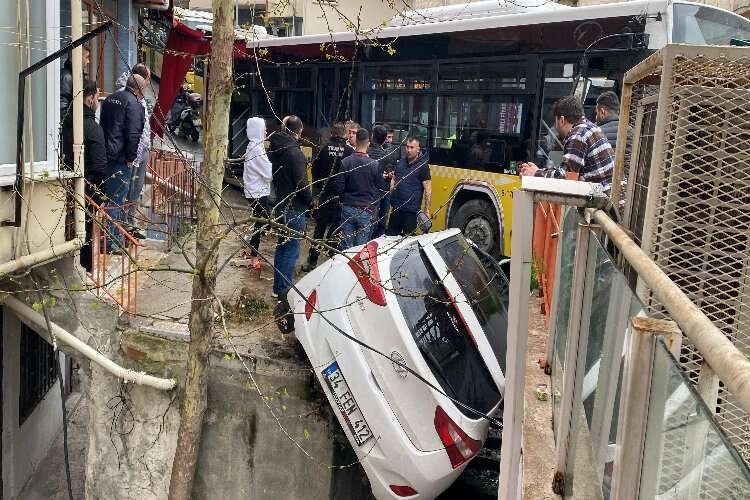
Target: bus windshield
(702, 25)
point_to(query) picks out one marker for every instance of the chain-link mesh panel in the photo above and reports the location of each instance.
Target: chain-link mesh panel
(699, 222)
(639, 93)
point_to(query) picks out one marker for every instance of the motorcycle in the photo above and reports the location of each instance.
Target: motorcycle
(188, 122)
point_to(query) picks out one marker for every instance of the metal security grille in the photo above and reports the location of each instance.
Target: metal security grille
(38, 373)
(695, 222)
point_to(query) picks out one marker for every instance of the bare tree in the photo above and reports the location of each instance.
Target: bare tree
(208, 235)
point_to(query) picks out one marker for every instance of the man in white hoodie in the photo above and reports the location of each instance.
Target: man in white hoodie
(256, 178)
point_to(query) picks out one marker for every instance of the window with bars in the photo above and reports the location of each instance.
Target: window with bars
(38, 373)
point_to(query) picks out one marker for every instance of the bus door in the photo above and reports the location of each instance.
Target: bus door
(560, 80)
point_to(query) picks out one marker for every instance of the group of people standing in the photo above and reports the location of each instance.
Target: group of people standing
(362, 187)
(116, 149)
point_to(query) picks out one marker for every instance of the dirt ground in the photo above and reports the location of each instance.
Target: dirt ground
(538, 440)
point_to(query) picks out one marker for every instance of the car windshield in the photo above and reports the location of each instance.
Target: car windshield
(440, 333)
(700, 24)
(485, 287)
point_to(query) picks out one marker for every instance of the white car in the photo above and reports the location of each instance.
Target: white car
(431, 303)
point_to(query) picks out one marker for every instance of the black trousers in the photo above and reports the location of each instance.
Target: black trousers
(94, 187)
(327, 221)
(401, 223)
(258, 208)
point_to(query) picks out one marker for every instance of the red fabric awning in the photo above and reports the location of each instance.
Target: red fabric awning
(183, 44)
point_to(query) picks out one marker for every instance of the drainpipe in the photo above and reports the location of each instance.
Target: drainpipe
(78, 167)
(42, 257)
(61, 335)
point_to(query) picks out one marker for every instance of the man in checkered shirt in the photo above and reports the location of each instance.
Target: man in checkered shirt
(586, 150)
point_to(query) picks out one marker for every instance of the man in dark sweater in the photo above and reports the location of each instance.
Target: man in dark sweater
(293, 198)
(361, 185)
(387, 157)
(411, 183)
(328, 213)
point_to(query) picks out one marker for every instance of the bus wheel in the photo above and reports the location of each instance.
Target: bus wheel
(477, 219)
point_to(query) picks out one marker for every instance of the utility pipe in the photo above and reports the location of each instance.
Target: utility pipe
(40, 257)
(78, 167)
(59, 333)
(732, 367)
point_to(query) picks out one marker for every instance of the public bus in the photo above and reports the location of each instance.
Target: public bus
(477, 91)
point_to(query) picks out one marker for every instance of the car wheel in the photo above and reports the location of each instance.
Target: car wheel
(477, 219)
(283, 316)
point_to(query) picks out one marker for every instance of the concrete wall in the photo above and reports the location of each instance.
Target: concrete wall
(24, 446)
(45, 225)
(244, 453)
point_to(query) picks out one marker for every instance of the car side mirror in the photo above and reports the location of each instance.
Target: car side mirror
(424, 223)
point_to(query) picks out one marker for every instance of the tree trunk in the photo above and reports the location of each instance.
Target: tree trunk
(193, 405)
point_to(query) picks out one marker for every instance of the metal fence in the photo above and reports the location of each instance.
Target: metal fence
(688, 197)
(114, 258)
(628, 422)
(172, 195)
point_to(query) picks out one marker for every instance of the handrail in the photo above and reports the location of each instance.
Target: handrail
(729, 364)
(140, 378)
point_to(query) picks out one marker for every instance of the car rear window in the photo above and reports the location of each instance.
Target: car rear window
(439, 332)
(485, 287)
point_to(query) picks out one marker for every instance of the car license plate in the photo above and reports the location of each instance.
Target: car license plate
(347, 405)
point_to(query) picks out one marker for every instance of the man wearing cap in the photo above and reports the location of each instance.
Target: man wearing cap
(122, 119)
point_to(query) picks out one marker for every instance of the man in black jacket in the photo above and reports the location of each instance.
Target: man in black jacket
(328, 213)
(94, 162)
(122, 119)
(361, 186)
(387, 156)
(293, 199)
(66, 108)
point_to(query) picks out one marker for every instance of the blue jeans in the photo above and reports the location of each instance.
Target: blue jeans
(137, 179)
(380, 223)
(116, 189)
(356, 226)
(287, 250)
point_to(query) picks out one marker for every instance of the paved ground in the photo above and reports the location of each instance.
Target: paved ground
(49, 482)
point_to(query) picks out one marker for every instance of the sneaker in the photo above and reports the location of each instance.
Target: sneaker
(274, 295)
(137, 233)
(307, 267)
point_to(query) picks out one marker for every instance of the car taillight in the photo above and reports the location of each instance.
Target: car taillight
(459, 446)
(403, 491)
(365, 267)
(312, 300)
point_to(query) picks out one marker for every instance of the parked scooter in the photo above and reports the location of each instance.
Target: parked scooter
(180, 103)
(189, 122)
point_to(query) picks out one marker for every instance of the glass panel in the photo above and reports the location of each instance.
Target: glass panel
(398, 77)
(481, 132)
(612, 304)
(485, 287)
(484, 76)
(440, 333)
(687, 455)
(568, 238)
(407, 114)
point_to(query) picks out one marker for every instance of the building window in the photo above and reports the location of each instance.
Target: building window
(38, 373)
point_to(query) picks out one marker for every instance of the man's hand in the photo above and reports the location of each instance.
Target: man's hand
(528, 168)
